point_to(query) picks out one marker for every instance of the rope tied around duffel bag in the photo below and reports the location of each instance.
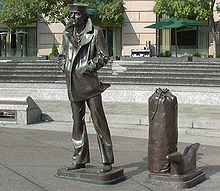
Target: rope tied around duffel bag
(161, 93)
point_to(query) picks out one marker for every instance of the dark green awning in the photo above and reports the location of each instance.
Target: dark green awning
(3, 30)
(1, 5)
(90, 11)
(173, 22)
(188, 29)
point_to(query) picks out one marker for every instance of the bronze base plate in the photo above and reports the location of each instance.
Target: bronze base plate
(187, 180)
(91, 174)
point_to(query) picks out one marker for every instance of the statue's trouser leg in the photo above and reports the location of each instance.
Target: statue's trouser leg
(101, 127)
(79, 134)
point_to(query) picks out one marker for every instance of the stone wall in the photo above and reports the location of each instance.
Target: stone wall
(47, 34)
(138, 15)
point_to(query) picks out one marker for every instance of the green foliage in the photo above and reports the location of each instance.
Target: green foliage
(19, 12)
(111, 14)
(1, 4)
(107, 12)
(22, 12)
(196, 54)
(199, 9)
(160, 54)
(54, 51)
(165, 54)
(55, 10)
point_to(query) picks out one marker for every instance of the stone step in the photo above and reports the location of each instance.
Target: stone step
(170, 74)
(161, 80)
(37, 67)
(161, 83)
(34, 67)
(185, 70)
(178, 63)
(36, 79)
(30, 72)
(153, 82)
(44, 63)
(32, 75)
(40, 72)
(129, 80)
(170, 66)
(31, 81)
(140, 73)
(167, 62)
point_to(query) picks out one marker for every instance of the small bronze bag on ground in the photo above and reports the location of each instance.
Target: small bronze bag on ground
(163, 132)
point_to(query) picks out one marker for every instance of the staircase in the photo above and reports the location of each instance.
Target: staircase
(119, 72)
(30, 71)
(171, 73)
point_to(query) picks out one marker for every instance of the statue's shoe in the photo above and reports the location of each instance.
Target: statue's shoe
(75, 166)
(105, 168)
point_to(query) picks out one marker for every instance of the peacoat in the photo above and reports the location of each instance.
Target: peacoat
(82, 58)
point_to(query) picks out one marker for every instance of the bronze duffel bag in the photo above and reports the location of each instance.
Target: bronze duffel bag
(163, 132)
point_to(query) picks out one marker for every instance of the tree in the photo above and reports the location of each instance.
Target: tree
(106, 12)
(56, 10)
(198, 9)
(17, 13)
(22, 12)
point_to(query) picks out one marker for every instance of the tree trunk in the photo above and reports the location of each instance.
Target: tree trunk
(213, 32)
(176, 46)
(214, 46)
(213, 28)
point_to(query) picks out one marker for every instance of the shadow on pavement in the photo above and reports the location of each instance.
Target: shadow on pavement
(141, 167)
(211, 170)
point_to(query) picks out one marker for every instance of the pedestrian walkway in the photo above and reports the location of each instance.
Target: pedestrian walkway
(29, 160)
(199, 123)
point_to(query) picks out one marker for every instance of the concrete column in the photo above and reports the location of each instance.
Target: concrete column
(117, 41)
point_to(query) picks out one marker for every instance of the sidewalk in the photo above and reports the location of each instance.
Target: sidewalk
(30, 158)
(196, 123)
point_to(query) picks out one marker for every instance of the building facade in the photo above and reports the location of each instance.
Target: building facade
(138, 15)
(133, 35)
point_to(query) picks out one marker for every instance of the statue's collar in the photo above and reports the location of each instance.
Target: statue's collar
(88, 27)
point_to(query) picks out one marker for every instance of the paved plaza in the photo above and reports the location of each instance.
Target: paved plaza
(30, 155)
(30, 158)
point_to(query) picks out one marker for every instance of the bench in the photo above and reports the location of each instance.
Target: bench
(22, 111)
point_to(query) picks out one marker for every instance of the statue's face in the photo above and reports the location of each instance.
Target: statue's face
(77, 17)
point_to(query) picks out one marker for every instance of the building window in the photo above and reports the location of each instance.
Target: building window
(21, 42)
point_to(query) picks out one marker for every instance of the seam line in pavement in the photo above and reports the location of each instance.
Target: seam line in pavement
(142, 185)
(23, 177)
(49, 144)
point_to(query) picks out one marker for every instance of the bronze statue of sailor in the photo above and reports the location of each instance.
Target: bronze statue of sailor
(84, 52)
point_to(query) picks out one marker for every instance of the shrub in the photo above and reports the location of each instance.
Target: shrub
(197, 54)
(54, 51)
(160, 54)
(165, 54)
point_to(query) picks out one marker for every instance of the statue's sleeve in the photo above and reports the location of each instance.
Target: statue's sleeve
(102, 57)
